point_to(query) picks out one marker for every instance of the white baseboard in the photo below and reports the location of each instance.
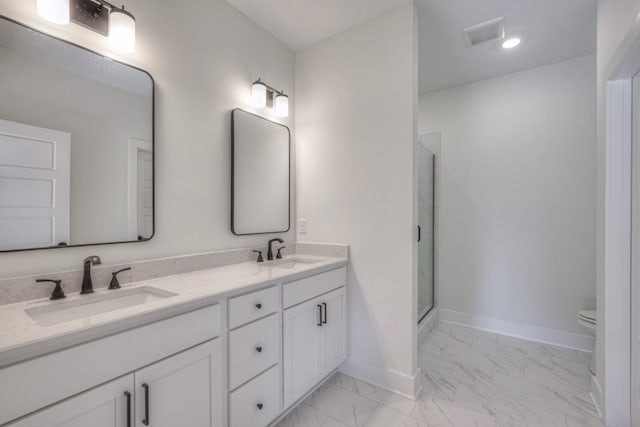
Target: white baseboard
(596, 395)
(388, 379)
(527, 332)
(426, 326)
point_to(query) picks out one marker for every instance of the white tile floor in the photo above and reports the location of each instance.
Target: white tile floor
(472, 378)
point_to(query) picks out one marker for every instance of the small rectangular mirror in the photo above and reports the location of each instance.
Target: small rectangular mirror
(76, 145)
(260, 175)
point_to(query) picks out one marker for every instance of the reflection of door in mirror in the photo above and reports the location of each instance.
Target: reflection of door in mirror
(140, 189)
(34, 186)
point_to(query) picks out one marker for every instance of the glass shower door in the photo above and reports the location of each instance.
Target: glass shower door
(426, 231)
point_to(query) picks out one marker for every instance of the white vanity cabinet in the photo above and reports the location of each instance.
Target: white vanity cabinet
(255, 384)
(180, 390)
(314, 332)
(153, 354)
(333, 334)
(240, 362)
(104, 406)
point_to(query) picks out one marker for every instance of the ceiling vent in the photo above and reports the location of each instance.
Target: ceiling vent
(487, 31)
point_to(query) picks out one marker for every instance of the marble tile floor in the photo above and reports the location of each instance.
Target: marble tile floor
(471, 378)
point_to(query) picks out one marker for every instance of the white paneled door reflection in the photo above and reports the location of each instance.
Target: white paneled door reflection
(34, 186)
(140, 203)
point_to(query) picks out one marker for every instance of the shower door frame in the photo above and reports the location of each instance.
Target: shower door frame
(421, 317)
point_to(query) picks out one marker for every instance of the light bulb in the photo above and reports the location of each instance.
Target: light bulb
(56, 11)
(282, 105)
(259, 94)
(511, 43)
(122, 31)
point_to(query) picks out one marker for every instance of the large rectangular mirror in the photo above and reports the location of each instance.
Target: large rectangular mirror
(76, 145)
(260, 177)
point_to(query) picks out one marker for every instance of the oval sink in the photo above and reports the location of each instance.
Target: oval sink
(292, 262)
(92, 305)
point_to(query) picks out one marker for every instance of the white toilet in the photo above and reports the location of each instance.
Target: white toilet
(587, 318)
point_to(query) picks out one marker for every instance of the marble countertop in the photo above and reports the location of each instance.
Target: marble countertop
(23, 338)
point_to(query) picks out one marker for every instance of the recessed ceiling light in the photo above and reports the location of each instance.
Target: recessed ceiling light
(511, 43)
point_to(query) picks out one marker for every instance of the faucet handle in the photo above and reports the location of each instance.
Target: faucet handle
(57, 293)
(115, 284)
(279, 255)
(260, 259)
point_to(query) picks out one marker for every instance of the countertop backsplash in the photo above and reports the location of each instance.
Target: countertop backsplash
(25, 288)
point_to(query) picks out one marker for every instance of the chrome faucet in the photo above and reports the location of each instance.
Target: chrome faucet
(87, 283)
(270, 252)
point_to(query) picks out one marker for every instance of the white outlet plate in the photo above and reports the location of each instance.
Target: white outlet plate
(302, 226)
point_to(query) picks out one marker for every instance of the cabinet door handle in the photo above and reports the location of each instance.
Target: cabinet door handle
(324, 304)
(145, 386)
(260, 406)
(128, 396)
(319, 315)
(258, 306)
(259, 349)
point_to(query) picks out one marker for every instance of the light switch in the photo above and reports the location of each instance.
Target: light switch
(302, 226)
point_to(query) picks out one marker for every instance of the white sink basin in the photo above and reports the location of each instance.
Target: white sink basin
(87, 306)
(291, 263)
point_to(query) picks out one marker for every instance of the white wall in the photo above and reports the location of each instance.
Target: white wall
(203, 55)
(355, 130)
(517, 206)
(615, 19)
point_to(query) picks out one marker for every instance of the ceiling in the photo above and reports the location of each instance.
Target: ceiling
(299, 23)
(551, 31)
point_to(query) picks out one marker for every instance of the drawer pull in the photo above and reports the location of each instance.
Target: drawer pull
(259, 306)
(128, 396)
(260, 406)
(145, 421)
(259, 349)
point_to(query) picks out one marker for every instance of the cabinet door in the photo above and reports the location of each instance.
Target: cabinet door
(103, 406)
(333, 347)
(301, 339)
(183, 390)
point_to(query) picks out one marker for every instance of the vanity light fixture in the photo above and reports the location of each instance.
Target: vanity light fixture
(263, 95)
(282, 105)
(259, 94)
(122, 30)
(118, 24)
(56, 11)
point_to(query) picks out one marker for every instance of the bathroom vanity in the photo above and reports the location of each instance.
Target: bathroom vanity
(231, 346)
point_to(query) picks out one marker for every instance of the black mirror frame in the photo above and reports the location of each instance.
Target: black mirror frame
(233, 175)
(153, 142)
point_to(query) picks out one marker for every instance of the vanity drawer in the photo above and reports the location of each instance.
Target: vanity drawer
(252, 349)
(258, 402)
(249, 307)
(305, 289)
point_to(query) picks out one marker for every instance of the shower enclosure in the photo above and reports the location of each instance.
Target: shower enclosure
(426, 229)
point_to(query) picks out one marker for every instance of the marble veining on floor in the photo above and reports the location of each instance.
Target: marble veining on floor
(472, 378)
